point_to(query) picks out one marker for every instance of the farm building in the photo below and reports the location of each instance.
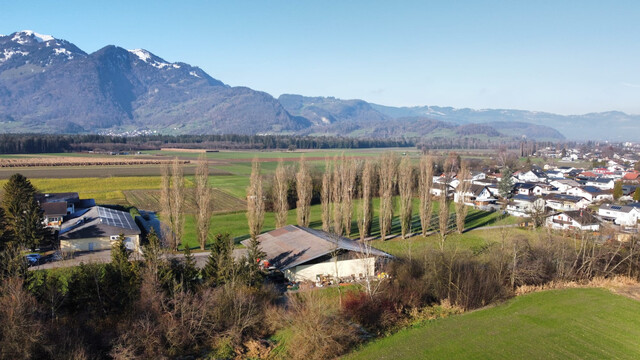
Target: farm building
(304, 254)
(97, 228)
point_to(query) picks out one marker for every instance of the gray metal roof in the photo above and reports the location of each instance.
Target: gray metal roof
(98, 221)
(292, 245)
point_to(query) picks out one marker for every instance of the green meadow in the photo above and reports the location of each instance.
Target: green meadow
(557, 324)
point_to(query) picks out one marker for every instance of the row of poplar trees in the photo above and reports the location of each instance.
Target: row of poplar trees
(345, 179)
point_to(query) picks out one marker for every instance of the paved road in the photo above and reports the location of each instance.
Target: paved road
(104, 256)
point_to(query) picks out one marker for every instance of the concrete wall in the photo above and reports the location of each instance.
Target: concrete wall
(101, 243)
(346, 268)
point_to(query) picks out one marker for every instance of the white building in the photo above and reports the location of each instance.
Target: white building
(524, 206)
(304, 254)
(573, 220)
(620, 214)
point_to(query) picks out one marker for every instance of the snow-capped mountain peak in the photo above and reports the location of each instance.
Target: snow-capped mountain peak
(142, 54)
(152, 60)
(24, 36)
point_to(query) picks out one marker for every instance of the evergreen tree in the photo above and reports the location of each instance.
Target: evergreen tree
(120, 254)
(190, 272)
(23, 217)
(617, 190)
(255, 255)
(4, 236)
(636, 194)
(505, 186)
(33, 233)
(220, 267)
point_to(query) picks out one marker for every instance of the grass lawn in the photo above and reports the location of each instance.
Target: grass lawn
(236, 225)
(558, 324)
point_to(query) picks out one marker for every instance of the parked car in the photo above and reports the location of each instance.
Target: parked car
(33, 259)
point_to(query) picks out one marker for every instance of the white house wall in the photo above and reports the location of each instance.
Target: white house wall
(346, 268)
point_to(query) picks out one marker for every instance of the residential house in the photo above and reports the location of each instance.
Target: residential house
(563, 185)
(69, 199)
(619, 214)
(591, 193)
(477, 195)
(533, 176)
(437, 189)
(564, 202)
(573, 220)
(304, 254)
(97, 228)
(523, 205)
(601, 183)
(54, 214)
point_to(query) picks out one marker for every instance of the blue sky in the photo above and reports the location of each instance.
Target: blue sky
(568, 57)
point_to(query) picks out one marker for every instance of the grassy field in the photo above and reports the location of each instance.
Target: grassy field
(559, 324)
(230, 171)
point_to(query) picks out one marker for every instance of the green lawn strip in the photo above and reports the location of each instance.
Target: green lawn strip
(558, 324)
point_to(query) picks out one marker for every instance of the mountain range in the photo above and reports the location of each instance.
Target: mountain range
(49, 85)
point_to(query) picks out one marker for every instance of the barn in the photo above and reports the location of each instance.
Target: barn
(304, 254)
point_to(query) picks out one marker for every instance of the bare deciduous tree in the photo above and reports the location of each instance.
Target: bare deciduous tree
(178, 195)
(388, 177)
(443, 220)
(203, 198)
(172, 203)
(165, 207)
(255, 201)
(464, 176)
(365, 215)
(304, 188)
(348, 190)
(425, 179)
(325, 198)
(336, 194)
(280, 191)
(405, 187)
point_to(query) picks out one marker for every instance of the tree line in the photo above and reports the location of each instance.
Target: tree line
(40, 143)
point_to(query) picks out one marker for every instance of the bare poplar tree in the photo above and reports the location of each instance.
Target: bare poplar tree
(425, 179)
(365, 214)
(177, 206)
(203, 204)
(255, 201)
(464, 176)
(388, 176)
(165, 207)
(336, 194)
(280, 191)
(405, 187)
(444, 204)
(325, 198)
(304, 187)
(350, 168)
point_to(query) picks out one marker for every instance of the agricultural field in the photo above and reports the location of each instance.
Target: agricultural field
(221, 201)
(556, 324)
(138, 186)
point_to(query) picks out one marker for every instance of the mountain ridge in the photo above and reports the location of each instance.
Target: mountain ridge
(50, 85)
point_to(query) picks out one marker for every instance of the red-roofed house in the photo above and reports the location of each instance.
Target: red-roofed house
(632, 175)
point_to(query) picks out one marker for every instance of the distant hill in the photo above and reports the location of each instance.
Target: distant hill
(360, 118)
(612, 125)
